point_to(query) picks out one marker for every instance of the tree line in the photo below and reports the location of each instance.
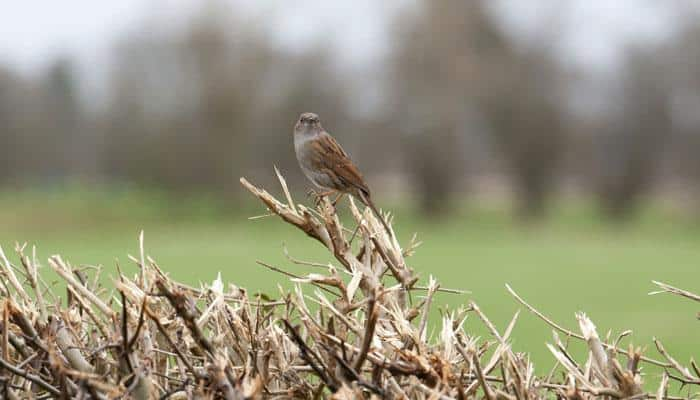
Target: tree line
(454, 99)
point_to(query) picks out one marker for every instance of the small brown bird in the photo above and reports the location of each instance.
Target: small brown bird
(327, 165)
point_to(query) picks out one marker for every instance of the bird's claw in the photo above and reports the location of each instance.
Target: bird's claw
(317, 196)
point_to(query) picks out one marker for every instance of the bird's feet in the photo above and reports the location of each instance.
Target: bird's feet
(317, 197)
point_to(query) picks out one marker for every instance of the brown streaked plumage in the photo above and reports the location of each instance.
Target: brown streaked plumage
(327, 165)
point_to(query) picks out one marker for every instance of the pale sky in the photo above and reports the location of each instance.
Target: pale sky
(595, 30)
(32, 32)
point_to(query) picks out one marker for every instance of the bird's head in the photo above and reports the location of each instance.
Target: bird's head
(308, 123)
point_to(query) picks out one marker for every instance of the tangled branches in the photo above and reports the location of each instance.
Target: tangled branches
(351, 330)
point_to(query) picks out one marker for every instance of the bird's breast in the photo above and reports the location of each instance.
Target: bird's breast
(306, 154)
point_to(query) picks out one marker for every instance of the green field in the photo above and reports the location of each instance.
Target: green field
(573, 262)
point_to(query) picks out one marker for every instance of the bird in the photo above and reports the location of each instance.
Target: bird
(324, 162)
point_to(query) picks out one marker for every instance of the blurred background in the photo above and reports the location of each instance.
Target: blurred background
(550, 144)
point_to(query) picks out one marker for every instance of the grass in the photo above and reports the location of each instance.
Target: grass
(571, 262)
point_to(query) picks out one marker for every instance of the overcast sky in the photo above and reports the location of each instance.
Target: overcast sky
(32, 32)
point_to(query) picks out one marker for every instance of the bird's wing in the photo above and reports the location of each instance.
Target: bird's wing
(333, 160)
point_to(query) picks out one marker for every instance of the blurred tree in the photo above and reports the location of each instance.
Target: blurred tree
(451, 60)
(226, 74)
(683, 59)
(182, 104)
(126, 137)
(630, 149)
(58, 137)
(524, 108)
(443, 51)
(40, 123)
(10, 128)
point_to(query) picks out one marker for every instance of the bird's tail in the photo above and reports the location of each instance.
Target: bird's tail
(368, 201)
